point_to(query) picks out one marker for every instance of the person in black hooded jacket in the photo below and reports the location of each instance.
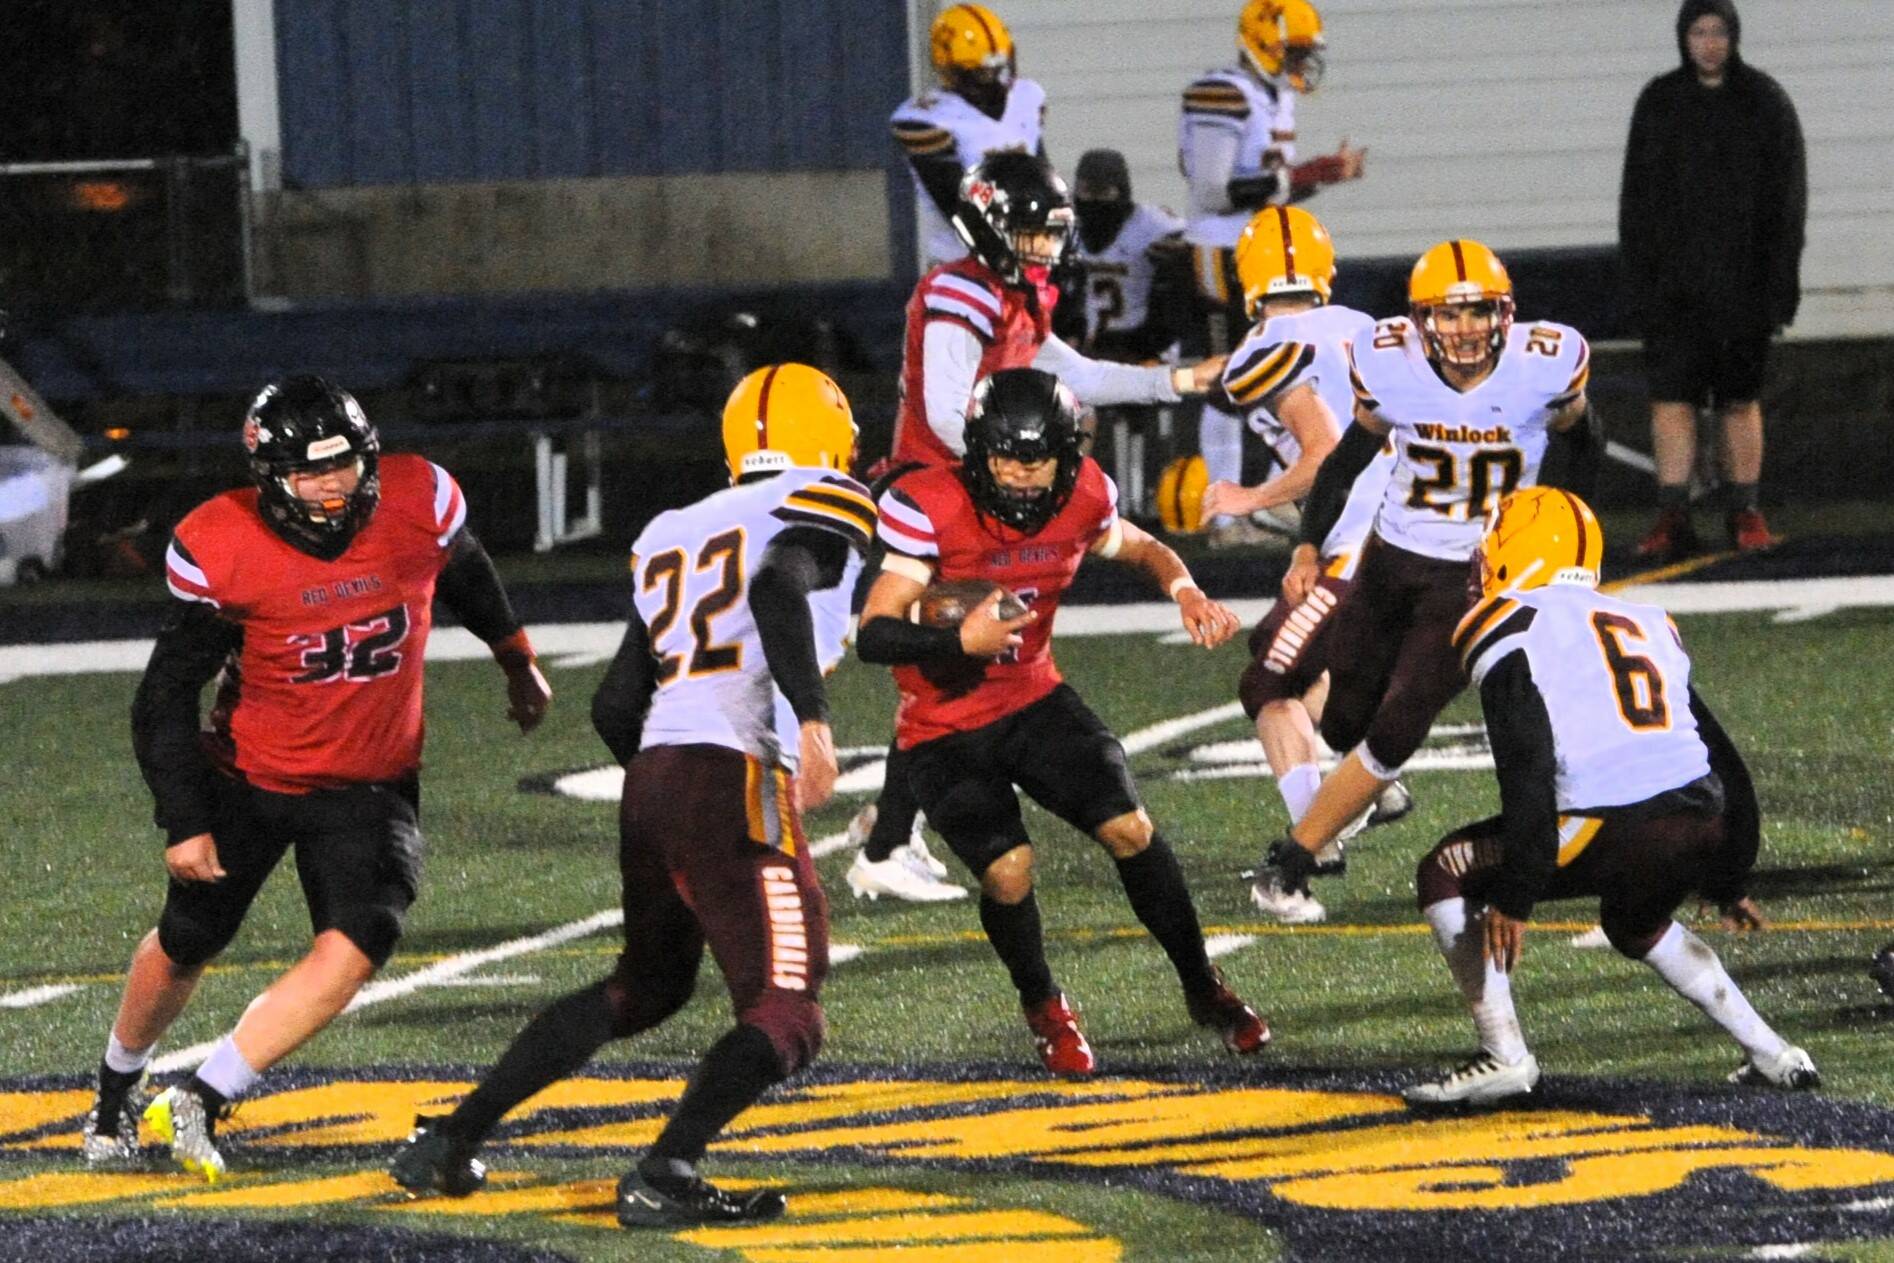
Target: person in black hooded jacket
(1710, 231)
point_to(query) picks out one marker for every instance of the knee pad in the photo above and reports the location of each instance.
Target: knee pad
(642, 1002)
(372, 928)
(794, 1024)
(190, 941)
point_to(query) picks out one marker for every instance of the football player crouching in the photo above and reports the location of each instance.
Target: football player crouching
(984, 708)
(1615, 782)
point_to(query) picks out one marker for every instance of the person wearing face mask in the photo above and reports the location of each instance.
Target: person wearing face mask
(1711, 217)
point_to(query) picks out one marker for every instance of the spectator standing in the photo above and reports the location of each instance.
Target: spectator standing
(1710, 228)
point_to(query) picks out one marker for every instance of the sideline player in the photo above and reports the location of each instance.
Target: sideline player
(966, 321)
(1290, 376)
(715, 704)
(1236, 147)
(313, 591)
(981, 107)
(1615, 782)
(984, 708)
(1472, 402)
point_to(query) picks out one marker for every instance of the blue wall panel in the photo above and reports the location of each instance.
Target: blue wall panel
(434, 91)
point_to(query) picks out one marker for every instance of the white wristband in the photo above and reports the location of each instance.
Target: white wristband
(1183, 381)
(1181, 582)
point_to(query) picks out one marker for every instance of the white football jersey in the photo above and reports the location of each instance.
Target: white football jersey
(1118, 278)
(1458, 453)
(1616, 685)
(1310, 347)
(942, 122)
(1262, 115)
(691, 570)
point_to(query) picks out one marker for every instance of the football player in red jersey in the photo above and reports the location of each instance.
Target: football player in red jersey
(967, 320)
(984, 708)
(313, 592)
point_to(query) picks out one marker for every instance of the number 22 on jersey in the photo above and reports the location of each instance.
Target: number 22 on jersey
(721, 556)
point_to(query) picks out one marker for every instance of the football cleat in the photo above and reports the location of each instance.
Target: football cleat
(1790, 1069)
(899, 879)
(110, 1136)
(1881, 969)
(1749, 533)
(1671, 537)
(1242, 1030)
(179, 1118)
(679, 1198)
(1062, 1045)
(431, 1161)
(1291, 907)
(919, 858)
(1391, 804)
(1481, 1080)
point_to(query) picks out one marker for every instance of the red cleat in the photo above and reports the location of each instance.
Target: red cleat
(1670, 537)
(1242, 1030)
(1061, 1044)
(1750, 533)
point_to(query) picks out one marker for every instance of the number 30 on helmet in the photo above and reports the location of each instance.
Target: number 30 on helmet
(787, 416)
(1540, 535)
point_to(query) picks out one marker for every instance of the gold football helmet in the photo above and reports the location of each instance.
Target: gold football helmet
(1536, 536)
(969, 43)
(1180, 492)
(1283, 251)
(1283, 37)
(785, 416)
(1466, 277)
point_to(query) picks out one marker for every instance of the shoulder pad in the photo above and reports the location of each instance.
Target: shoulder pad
(1217, 97)
(1495, 619)
(1264, 364)
(834, 503)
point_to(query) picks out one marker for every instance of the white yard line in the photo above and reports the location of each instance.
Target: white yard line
(33, 996)
(1218, 946)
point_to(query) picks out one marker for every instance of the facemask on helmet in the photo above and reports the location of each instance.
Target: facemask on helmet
(1015, 215)
(296, 431)
(1026, 416)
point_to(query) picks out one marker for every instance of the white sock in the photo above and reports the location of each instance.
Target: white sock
(1220, 439)
(227, 1071)
(1693, 971)
(125, 1060)
(1488, 992)
(1298, 786)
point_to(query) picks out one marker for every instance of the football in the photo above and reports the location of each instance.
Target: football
(946, 604)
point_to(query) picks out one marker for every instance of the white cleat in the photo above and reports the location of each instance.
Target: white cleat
(113, 1142)
(1287, 906)
(1791, 1069)
(180, 1120)
(1391, 804)
(898, 879)
(1480, 1081)
(919, 858)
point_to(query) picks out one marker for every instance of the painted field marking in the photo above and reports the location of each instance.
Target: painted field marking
(34, 996)
(1217, 946)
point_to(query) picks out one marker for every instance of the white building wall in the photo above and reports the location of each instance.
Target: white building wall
(1503, 120)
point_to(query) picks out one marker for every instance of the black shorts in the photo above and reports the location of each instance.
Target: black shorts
(358, 857)
(1056, 749)
(1698, 364)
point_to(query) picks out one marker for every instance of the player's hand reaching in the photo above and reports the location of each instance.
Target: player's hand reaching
(1352, 159)
(1505, 938)
(1208, 622)
(1305, 567)
(527, 694)
(1222, 498)
(1200, 378)
(194, 859)
(815, 780)
(1743, 916)
(985, 635)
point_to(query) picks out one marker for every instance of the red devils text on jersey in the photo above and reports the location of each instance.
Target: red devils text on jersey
(1010, 325)
(930, 515)
(331, 660)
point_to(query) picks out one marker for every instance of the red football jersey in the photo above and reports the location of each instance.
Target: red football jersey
(930, 515)
(331, 662)
(1010, 328)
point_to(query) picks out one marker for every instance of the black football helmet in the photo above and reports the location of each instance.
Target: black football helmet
(1007, 199)
(302, 424)
(1029, 416)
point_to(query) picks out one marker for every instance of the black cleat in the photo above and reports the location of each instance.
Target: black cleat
(1391, 804)
(431, 1161)
(679, 1198)
(1881, 969)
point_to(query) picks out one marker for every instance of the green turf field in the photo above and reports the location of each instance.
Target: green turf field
(927, 1125)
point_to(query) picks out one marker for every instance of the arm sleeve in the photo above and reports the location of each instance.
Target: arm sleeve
(893, 642)
(950, 365)
(1210, 162)
(799, 561)
(1100, 383)
(470, 587)
(1521, 733)
(191, 647)
(624, 695)
(1329, 496)
(1728, 879)
(1573, 456)
(940, 175)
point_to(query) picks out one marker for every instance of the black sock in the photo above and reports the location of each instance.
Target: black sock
(558, 1041)
(1742, 497)
(214, 1101)
(737, 1069)
(1014, 931)
(1674, 497)
(894, 810)
(114, 1084)
(1155, 886)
